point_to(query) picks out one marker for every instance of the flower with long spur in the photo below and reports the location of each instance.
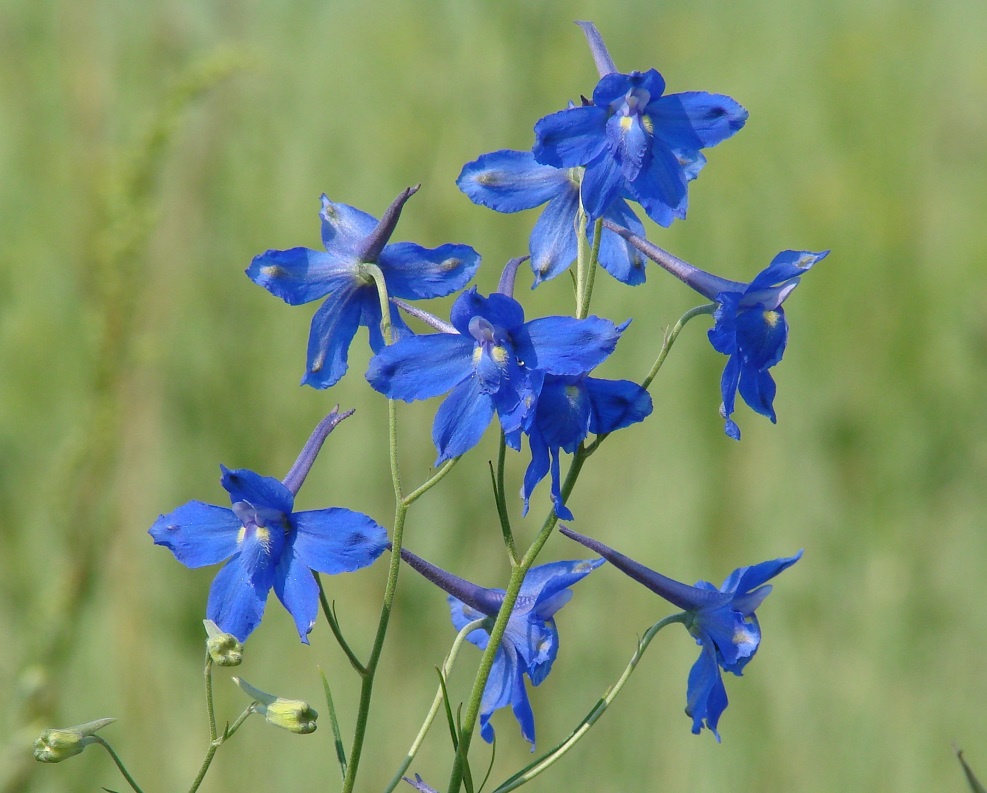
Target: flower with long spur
(635, 140)
(511, 181)
(722, 621)
(491, 361)
(268, 544)
(355, 243)
(568, 409)
(749, 323)
(531, 641)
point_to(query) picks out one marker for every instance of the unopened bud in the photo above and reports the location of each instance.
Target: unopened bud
(294, 715)
(60, 744)
(224, 648)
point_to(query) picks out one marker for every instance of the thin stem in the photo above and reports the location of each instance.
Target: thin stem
(436, 704)
(385, 308)
(581, 260)
(397, 537)
(214, 745)
(590, 277)
(330, 616)
(529, 772)
(501, 500)
(119, 763)
(670, 338)
(431, 482)
(210, 708)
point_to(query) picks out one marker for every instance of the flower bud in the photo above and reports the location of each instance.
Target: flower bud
(224, 648)
(294, 715)
(59, 744)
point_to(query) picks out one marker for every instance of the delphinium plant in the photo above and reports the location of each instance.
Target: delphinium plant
(630, 147)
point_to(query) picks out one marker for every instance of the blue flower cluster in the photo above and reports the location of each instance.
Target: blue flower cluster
(631, 143)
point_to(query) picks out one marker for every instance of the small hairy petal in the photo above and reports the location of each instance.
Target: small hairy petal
(461, 420)
(565, 345)
(570, 137)
(300, 275)
(415, 273)
(235, 604)
(333, 328)
(696, 119)
(421, 367)
(261, 492)
(510, 181)
(337, 540)
(198, 534)
(298, 592)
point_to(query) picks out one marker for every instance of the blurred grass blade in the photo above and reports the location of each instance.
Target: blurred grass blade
(334, 723)
(971, 779)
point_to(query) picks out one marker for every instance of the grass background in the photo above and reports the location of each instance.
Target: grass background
(135, 357)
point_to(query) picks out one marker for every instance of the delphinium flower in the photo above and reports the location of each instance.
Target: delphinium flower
(634, 140)
(353, 240)
(531, 641)
(268, 544)
(749, 323)
(511, 181)
(568, 409)
(491, 361)
(722, 621)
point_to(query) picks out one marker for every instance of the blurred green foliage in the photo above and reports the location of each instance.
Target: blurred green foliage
(135, 357)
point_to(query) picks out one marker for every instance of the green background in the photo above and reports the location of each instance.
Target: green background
(135, 357)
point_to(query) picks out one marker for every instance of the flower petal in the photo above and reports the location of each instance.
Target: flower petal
(414, 272)
(695, 119)
(461, 420)
(421, 367)
(298, 592)
(499, 690)
(344, 228)
(570, 137)
(706, 697)
(565, 345)
(198, 534)
(603, 182)
(661, 188)
(235, 604)
(553, 245)
(333, 328)
(619, 258)
(616, 404)
(300, 275)
(337, 540)
(261, 492)
(510, 181)
(499, 310)
(463, 615)
(746, 579)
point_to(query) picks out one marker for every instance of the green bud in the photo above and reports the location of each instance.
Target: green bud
(60, 744)
(293, 715)
(224, 648)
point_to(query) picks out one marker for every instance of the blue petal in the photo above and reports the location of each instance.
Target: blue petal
(629, 143)
(262, 492)
(723, 334)
(499, 690)
(785, 266)
(421, 367)
(563, 413)
(461, 420)
(735, 639)
(565, 345)
(337, 540)
(695, 119)
(499, 310)
(509, 181)
(541, 648)
(543, 584)
(617, 256)
(300, 275)
(706, 697)
(333, 328)
(537, 468)
(614, 87)
(661, 189)
(297, 590)
(235, 604)
(463, 615)
(603, 182)
(746, 579)
(758, 390)
(414, 272)
(728, 390)
(553, 245)
(570, 137)
(522, 711)
(344, 228)
(616, 404)
(370, 318)
(198, 534)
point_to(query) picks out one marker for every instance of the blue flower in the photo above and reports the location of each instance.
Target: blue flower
(510, 181)
(722, 621)
(493, 362)
(531, 640)
(634, 140)
(568, 409)
(353, 239)
(268, 544)
(750, 325)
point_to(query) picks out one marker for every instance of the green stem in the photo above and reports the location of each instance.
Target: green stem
(119, 763)
(214, 745)
(581, 258)
(397, 537)
(210, 708)
(529, 772)
(431, 482)
(500, 625)
(372, 270)
(501, 500)
(589, 275)
(436, 704)
(330, 616)
(670, 338)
